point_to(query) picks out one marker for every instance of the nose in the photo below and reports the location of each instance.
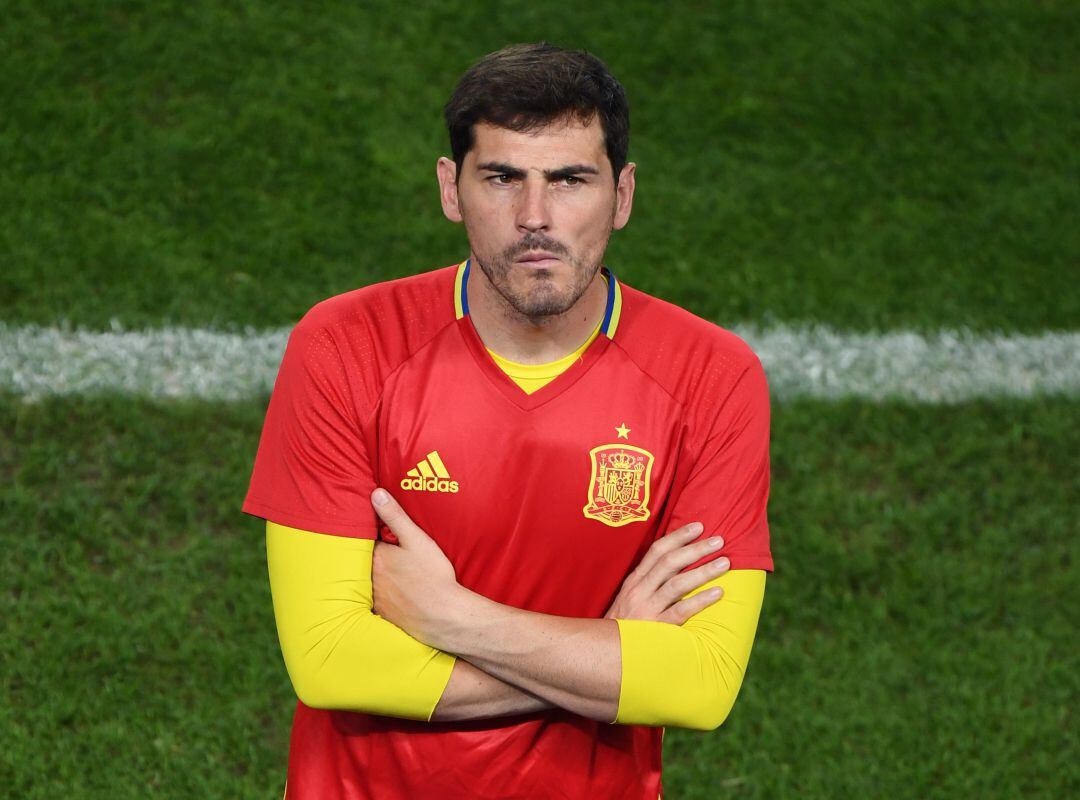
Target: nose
(533, 213)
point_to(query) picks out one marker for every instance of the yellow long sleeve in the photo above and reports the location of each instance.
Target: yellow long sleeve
(688, 676)
(339, 654)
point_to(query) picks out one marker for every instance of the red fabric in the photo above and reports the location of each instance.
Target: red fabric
(555, 755)
(374, 380)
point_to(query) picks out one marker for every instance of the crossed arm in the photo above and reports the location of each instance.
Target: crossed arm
(657, 658)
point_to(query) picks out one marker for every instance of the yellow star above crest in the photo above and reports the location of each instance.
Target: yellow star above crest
(623, 431)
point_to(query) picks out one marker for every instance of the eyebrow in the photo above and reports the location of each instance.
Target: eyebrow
(568, 171)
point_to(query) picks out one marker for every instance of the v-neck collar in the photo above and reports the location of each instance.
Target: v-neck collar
(503, 382)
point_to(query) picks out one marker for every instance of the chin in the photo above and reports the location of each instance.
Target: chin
(534, 292)
(543, 304)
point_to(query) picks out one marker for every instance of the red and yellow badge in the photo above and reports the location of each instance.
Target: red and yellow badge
(619, 486)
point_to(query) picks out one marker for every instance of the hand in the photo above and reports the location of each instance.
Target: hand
(413, 580)
(654, 590)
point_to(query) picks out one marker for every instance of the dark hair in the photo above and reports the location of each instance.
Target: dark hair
(524, 87)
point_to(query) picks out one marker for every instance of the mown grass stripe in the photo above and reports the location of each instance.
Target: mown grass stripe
(806, 361)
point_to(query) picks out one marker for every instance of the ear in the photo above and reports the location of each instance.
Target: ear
(446, 171)
(624, 196)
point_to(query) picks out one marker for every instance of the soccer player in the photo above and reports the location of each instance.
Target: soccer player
(566, 479)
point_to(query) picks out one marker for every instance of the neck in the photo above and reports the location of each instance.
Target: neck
(528, 340)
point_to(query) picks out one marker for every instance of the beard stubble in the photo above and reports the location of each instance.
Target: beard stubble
(542, 299)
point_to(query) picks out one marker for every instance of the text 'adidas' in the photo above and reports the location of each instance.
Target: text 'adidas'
(430, 475)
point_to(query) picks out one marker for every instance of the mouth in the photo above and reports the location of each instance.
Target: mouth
(538, 259)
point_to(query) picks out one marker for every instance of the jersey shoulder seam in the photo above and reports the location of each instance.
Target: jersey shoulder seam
(649, 375)
(411, 355)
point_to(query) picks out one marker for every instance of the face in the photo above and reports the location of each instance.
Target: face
(538, 208)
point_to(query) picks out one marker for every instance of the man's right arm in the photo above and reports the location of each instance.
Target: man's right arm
(340, 655)
(312, 471)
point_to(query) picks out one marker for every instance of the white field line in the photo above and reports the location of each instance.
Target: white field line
(806, 361)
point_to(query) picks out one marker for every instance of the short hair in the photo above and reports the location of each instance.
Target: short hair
(524, 87)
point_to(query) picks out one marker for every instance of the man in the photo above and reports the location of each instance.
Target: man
(523, 430)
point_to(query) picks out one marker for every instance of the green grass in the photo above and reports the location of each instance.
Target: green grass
(139, 655)
(863, 164)
(917, 639)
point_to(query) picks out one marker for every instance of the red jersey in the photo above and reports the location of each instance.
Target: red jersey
(542, 501)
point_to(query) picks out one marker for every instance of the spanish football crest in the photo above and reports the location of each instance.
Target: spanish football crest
(619, 486)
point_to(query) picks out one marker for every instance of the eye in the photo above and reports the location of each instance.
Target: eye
(572, 180)
(502, 180)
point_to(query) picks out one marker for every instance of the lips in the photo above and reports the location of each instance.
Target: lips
(538, 258)
(537, 255)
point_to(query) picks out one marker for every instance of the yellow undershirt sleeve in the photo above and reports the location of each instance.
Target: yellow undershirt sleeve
(688, 676)
(340, 654)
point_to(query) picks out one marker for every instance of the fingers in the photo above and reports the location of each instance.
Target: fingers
(666, 544)
(671, 563)
(379, 556)
(383, 559)
(684, 609)
(686, 582)
(391, 513)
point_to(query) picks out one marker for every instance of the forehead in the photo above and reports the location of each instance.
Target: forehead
(564, 141)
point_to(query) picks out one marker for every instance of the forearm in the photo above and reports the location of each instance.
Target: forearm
(472, 693)
(689, 676)
(569, 662)
(338, 653)
(342, 656)
(573, 663)
(630, 671)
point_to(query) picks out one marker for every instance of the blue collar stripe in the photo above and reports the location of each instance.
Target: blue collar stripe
(610, 301)
(465, 289)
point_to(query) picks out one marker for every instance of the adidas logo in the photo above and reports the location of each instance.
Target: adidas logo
(430, 475)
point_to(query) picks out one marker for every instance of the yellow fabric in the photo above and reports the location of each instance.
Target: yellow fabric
(339, 654)
(689, 676)
(531, 377)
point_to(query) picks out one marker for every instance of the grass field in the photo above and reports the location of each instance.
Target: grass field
(866, 165)
(915, 642)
